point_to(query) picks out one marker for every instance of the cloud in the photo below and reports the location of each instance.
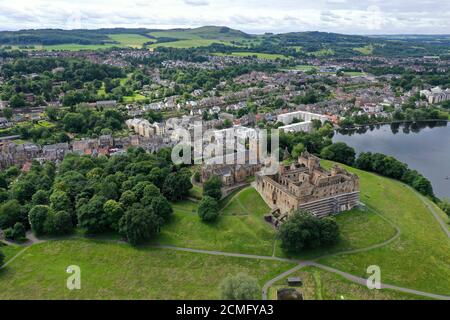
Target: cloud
(196, 2)
(253, 16)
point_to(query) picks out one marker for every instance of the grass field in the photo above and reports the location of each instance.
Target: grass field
(118, 271)
(238, 229)
(322, 285)
(189, 43)
(130, 40)
(420, 257)
(134, 98)
(366, 50)
(78, 47)
(322, 52)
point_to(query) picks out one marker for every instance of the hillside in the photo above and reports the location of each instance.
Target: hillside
(292, 44)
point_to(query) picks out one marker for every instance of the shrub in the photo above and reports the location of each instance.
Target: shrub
(240, 287)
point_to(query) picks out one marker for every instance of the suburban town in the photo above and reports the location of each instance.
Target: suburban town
(209, 163)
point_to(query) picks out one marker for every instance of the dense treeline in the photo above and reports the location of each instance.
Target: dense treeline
(48, 79)
(125, 193)
(51, 36)
(81, 121)
(390, 167)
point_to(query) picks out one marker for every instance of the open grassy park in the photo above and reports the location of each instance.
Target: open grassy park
(394, 231)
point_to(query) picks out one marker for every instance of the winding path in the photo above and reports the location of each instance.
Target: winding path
(299, 263)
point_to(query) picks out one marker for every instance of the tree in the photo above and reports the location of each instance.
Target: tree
(161, 207)
(297, 150)
(58, 223)
(128, 198)
(114, 212)
(240, 287)
(339, 152)
(139, 224)
(92, 217)
(213, 188)
(60, 201)
(17, 101)
(37, 217)
(208, 209)
(40, 197)
(150, 192)
(8, 113)
(445, 206)
(304, 231)
(177, 186)
(10, 213)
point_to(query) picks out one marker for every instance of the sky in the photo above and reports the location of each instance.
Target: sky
(252, 16)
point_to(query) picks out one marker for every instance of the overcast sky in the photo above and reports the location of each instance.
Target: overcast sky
(253, 16)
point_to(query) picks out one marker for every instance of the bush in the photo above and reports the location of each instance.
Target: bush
(15, 233)
(304, 231)
(208, 209)
(240, 287)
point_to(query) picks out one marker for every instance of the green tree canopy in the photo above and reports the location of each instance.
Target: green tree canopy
(208, 209)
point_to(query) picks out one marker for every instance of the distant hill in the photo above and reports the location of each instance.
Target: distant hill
(292, 43)
(100, 36)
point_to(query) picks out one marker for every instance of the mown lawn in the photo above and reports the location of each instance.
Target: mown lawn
(322, 285)
(243, 231)
(119, 271)
(420, 257)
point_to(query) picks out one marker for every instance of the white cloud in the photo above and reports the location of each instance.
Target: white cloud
(256, 16)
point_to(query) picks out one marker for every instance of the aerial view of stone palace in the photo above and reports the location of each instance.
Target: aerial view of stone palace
(306, 185)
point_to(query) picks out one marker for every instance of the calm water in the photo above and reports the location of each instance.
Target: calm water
(424, 147)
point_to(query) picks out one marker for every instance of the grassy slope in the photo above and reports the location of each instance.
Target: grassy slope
(189, 43)
(118, 271)
(130, 40)
(244, 231)
(420, 257)
(322, 285)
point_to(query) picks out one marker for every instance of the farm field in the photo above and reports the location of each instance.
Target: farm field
(130, 40)
(189, 43)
